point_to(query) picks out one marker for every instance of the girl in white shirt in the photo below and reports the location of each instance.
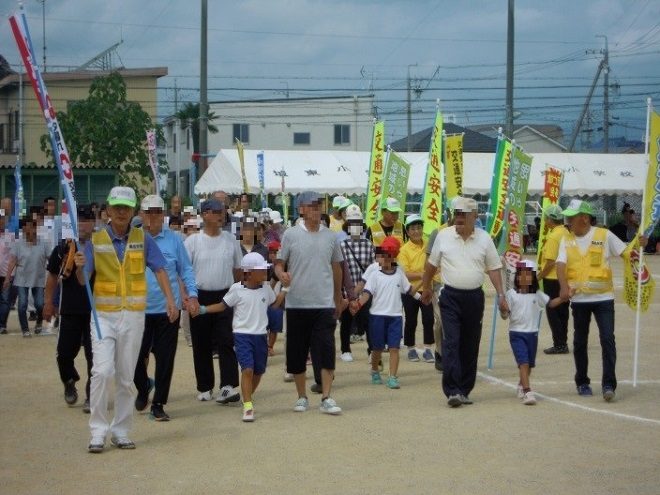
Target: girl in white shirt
(526, 304)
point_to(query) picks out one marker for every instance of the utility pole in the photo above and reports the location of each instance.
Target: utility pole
(606, 97)
(203, 98)
(176, 97)
(43, 27)
(509, 71)
(409, 109)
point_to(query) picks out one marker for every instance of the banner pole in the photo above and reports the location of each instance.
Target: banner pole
(641, 250)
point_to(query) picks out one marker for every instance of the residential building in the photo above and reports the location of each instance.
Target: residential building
(39, 179)
(533, 138)
(473, 142)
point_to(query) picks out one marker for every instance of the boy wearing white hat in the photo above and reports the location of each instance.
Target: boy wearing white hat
(250, 299)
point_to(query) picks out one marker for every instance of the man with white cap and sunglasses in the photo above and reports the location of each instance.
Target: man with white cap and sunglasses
(160, 334)
(117, 258)
(464, 255)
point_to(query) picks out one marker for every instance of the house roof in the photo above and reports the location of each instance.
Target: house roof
(13, 79)
(473, 142)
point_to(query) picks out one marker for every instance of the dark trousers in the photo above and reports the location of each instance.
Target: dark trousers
(603, 312)
(203, 329)
(557, 317)
(38, 297)
(462, 314)
(361, 320)
(411, 307)
(160, 337)
(74, 332)
(5, 303)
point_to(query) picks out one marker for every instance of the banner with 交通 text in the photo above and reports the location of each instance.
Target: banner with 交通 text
(453, 164)
(376, 171)
(431, 210)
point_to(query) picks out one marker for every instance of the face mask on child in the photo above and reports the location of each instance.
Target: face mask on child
(355, 229)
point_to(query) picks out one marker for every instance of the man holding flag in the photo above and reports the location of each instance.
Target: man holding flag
(583, 266)
(117, 257)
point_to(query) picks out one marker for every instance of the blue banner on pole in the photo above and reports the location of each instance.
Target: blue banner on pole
(261, 174)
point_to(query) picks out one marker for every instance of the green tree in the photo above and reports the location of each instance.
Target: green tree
(189, 117)
(106, 130)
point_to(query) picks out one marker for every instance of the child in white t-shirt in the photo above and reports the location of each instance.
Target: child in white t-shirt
(386, 314)
(250, 300)
(526, 304)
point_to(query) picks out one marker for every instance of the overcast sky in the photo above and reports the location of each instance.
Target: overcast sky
(271, 48)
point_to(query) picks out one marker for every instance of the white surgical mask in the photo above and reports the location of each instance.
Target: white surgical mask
(355, 229)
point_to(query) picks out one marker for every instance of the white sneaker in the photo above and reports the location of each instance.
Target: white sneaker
(520, 391)
(288, 377)
(227, 394)
(329, 406)
(301, 404)
(347, 357)
(529, 399)
(205, 396)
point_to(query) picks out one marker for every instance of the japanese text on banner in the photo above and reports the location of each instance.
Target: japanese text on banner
(454, 165)
(431, 210)
(376, 171)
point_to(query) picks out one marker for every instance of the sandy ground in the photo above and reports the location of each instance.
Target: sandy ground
(401, 441)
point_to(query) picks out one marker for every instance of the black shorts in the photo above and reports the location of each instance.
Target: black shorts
(310, 330)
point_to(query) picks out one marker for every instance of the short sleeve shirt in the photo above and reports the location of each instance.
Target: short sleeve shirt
(464, 263)
(525, 310)
(310, 256)
(214, 258)
(250, 307)
(30, 263)
(386, 290)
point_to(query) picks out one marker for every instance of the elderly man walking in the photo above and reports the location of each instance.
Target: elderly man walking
(216, 259)
(117, 258)
(583, 266)
(464, 254)
(160, 334)
(313, 304)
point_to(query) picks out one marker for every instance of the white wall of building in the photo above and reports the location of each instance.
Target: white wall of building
(295, 124)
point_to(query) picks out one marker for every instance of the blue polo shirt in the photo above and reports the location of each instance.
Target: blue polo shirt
(153, 257)
(178, 266)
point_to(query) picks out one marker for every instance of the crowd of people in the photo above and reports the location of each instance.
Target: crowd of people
(230, 278)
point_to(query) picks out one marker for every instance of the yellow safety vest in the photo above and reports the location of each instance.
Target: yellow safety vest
(118, 285)
(378, 234)
(589, 274)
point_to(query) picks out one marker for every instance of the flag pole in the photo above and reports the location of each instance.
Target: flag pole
(641, 249)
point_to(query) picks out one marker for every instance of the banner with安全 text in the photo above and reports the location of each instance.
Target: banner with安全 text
(499, 188)
(431, 209)
(453, 163)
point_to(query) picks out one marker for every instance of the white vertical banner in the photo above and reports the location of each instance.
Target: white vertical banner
(153, 159)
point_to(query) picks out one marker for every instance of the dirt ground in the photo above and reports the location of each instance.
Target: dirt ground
(401, 441)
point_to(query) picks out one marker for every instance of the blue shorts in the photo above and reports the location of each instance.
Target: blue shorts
(251, 351)
(385, 330)
(523, 345)
(275, 319)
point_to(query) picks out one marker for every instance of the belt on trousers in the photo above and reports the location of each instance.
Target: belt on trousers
(462, 291)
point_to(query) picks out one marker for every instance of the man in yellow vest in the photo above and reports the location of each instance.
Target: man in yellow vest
(389, 224)
(583, 266)
(116, 261)
(557, 317)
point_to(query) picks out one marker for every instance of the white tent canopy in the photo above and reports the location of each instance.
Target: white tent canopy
(335, 172)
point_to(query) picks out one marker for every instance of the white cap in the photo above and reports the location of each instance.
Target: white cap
(340, 202)
(353, 212)
(530, 264)
(275, 216)
(189, 209)
(464, 204)
(254, 261)
(152, 201)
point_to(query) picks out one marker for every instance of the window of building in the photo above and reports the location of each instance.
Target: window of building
(242, 133)
(17, 125)
(2, 138)
(342, 134)
(301, 138)
(174, 143)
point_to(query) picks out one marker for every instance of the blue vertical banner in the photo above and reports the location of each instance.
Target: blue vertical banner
(261, 174)
(19, 199)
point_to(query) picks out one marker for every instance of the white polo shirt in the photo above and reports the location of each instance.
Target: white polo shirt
(250, 307)
(464, 263)
(386, 290)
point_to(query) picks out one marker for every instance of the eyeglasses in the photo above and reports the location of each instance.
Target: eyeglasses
(154, 211)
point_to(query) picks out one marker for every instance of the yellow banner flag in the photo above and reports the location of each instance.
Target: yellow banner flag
(431, 210)
(376, 170)
(454, 165)
(631, 270)
(241, 159)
